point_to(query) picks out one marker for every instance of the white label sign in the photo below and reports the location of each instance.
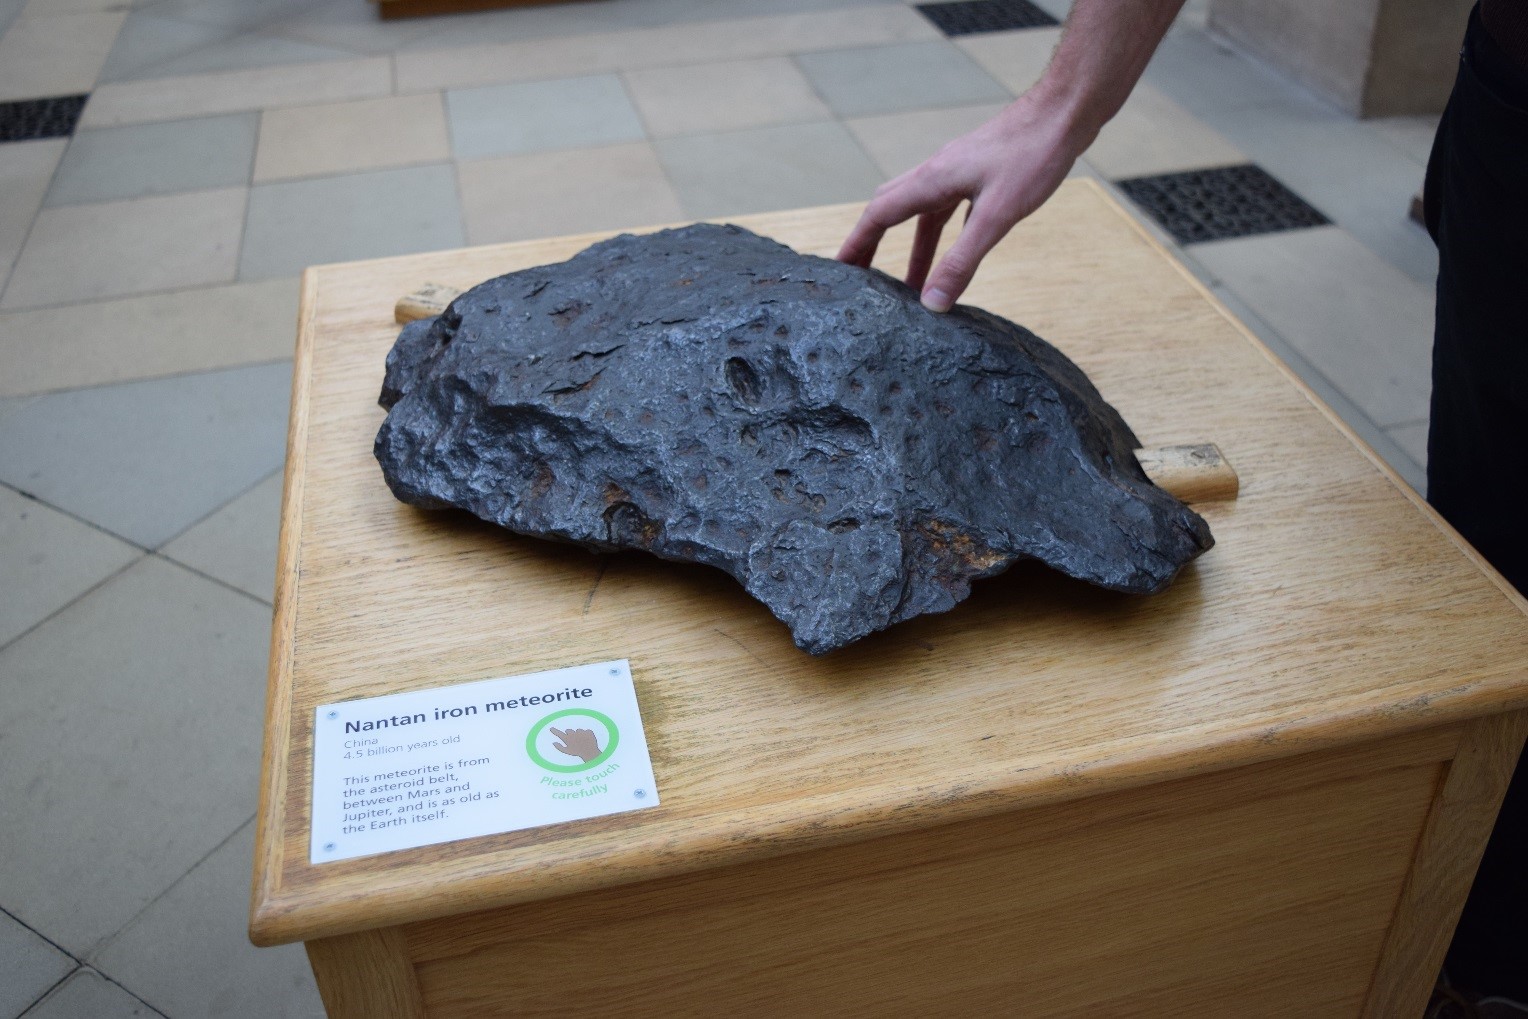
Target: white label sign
(455, 762)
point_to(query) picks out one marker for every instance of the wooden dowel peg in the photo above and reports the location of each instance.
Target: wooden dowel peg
(426, 302)
(1197, 473)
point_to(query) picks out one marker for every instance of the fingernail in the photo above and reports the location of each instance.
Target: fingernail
(936, 300)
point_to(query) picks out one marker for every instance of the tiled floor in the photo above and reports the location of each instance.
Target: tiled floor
(149, 267)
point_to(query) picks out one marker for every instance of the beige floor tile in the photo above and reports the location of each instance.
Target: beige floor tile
(723, 96)
(237, 544)
(785, 166)
(146, 336)
(367, 134)
(26, 168)
(108, 249)
(1362, 323)
(671, 45)
(1013, 58)
(543, 194)
(56, 54)
(871, 80)
(900, 141)
(1152, 134)
(47, 559)
(36, 7)
(196, 95)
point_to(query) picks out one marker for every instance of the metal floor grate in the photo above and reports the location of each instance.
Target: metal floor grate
(54, 117)
(968, 17)
(1224, 202)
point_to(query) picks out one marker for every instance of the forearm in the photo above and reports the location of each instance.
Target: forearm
(1105, 46)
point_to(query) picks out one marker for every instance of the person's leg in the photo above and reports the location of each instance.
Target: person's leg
(1477, 472)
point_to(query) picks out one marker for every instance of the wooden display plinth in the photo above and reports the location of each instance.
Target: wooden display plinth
(1263, 792)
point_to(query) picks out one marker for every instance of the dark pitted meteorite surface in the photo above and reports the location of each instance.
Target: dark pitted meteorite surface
(706, 394)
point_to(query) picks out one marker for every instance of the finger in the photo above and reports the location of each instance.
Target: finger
(896, 181)
(925, 243)
(916, 193)
(562, 749)
(860, 246)
(953, 273)
(557, 732)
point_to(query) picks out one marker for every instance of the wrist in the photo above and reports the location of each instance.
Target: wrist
(1065, 121)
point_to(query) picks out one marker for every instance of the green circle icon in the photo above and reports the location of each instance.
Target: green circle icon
(598, 759)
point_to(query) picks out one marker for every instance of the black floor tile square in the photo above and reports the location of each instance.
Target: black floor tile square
(968, 17)
(1227, 201)
(54, 117)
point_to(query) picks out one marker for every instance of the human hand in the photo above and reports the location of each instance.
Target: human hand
(580, 743)
(1006, 168)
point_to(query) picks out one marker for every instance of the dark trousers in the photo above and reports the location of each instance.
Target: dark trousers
(1476, 204)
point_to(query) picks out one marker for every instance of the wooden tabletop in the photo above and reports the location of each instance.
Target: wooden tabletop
(1335, 608)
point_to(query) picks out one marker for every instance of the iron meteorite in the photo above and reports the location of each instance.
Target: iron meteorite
(709, 395)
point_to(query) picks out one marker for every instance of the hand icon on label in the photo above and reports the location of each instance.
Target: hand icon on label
(580, 743)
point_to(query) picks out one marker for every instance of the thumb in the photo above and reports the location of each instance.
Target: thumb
(954, 272)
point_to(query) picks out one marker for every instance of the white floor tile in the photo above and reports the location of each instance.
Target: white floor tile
(238, 14)
(29, 966)
(237, 544)
(148, 40)
(115, 163)
(243, 52)
(1412, 136)
(888, 79)
(25, 170)
(47, 559)
(1204, 75)
(1413, 439)
(145, 460)
(109, 249)
(900, 141)
(55, 55)
(190, 955)
(1364, 324)
(131, 735)
(9, 9)
(1375, 437)
(297, 223)
(88, 995)
(11, 404)
(1152, 134)
(1353, 176)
